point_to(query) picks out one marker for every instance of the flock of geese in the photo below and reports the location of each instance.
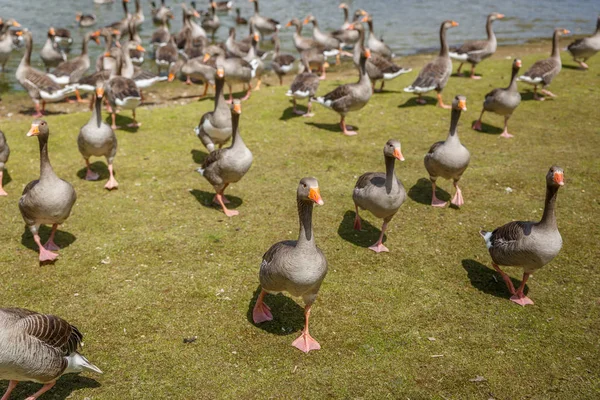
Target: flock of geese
(40, 348)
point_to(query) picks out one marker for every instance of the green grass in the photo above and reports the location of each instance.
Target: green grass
(152, 263)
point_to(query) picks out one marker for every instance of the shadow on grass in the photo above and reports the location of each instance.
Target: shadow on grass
(98, 167)
(288, 113)
(487, 128)
(367, 235)
(487, 280)
(575, 67)
(64, 388)
(198, 156)
(6, 178)
(528, 96)
(122, 121)
(412, 102)
(331, 127)
(61, 238)
(30, 111)
(288, 316)
(421, 192)
(206, 198)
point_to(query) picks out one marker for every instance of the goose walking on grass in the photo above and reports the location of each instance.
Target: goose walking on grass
(38, 348)
(526, 244)
(295, 266)
(215, 126)
(449, 159)
(380, 193)
(476, 51)
(544, 71)
(4, 153)
(122, 92)
(224, 166)
(351, 96)
(47, 200)
(281, 63)
(582, 49)
(96, 138)
(502, 101)
(434, 75)
(304, 86)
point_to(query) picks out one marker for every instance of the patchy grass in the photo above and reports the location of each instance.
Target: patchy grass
(152, 263)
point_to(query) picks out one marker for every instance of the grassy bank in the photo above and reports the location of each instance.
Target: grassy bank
(150, 264)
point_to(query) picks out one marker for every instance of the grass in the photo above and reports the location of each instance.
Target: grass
(146, 266)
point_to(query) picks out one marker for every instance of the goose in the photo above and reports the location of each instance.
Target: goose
(544, 71)
(166, 55)
(526, 244)
(582, 49)
(38, 85)
(317, 60)
(197, 30)
(6, 40)
(239, 20)
(304, 86)
(434, 75)
(47, 200)
(502, 101)
(96, 138)
(123, 23)
(449, 159)
(241, 48)
(255, 61)
(51, 54)
(309, 48)
(380, 193)
(300, 42)
(109, 35)
(122, 92)
(161, 36)
(224, 166)
(195, 68)
(281, 63)
(39, 348)
(347, 37)
(85, 20)
(138, 17)
(215, 126)
(136, 53)
(63, 37)
(330, 44)
(351, 96)
(160, 13)
(375, 44)
(237, 70)
(4, 153)
(295, 266)
(222, 5)
(265, 26)
(211, 23)
(475, 52)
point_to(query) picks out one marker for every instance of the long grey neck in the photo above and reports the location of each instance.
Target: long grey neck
(237, 140)
(277, 46)
(489, 29)
(443, 43)
(513, 80)
(555, 50)
(299, 29)
(84, 46)
(370, 23)
(597, 27)
(219, 99)
(453, 133)
(26, 60)
(46, 170)
(345, 15)
(97, 113)
(256, 8)
(363, 70)
(390, 175)
(549, 218)
(306, 237)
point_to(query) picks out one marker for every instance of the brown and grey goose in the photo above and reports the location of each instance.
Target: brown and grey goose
(584, 48)
(265, 26)
(167, 55)
(295, 266)
(281, 63)
(239, 20)
(526, 244)
(211, 22)
(241, 48)
(373, 43)
(162, 35)
(255, 61)
(476, 51)
(237, 70)
(215, 126)
(51, 54)
(502, 101)
(122, 92)
(6, 40)
(380, 193)
(159, 13)
(228, 165)
(4, 153)
(434, 75)
(331, 45)
(47, 200)
(304, 86)
(347, 37)
(544, 71)
(449, 159)
(85, 20)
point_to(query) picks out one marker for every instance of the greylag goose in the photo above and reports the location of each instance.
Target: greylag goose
(136, 53)
(160, 13)
(526, 244)
(122, 24)
(122, 92)
(63, 37)
(47, 200)
(544, 71)
(281, 63)
(255, 61)
(51, 54)
(295, 266)
(502, 101)
(6, 40)
(236, 70)
(434, 75)
(475, 52)
(241, 48)
(347, 37)
(215, 126)
(584, 48)
(265, 26)
(228, 165)
(330, 44)
(109, 35)
(166, 55)
(304, 86)
(449, 159)
(38, 348)
(85, 20)
(96, 138)
(351, 96)
(38, 85)
(4, 153)
(300, 42)
(239, 20)
(222, 5)
(195, 68)
(309, 48)
(380, 193)
(375, 44)
(211, 23)
(138, 17)
(161, 36)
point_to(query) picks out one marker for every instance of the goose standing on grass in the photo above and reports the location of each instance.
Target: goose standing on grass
(295, 266)
(304, 86)
(215, 126)
(584, 48)
(375, 44)
(195, 68)
(96, 138)
(228, 165)
(38, 85)
(475, 52)
(236, 70)
(544, 71)
(265, 26)
(85, 20)
(449, 159)
(526, 244)
(51, 54)
(38, 348)
(47, 200)
(434, 75)
(502, 101)
(166, 55)
(122, 92)
(281, 63)
(380, 193)
(329, 44)
(6, 40)
(4, 153)
(351, 96)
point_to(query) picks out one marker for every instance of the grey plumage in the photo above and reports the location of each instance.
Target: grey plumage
(478, 50)
(584, 48)
(215, 126)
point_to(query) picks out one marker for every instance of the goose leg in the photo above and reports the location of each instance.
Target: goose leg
(582, 64)
(9, 389)
(296, 111)
(188, 81)
(45, 255)
(435, 202)
(247, 96)
(507, 281)
(459, 68)
(457, 200)
(420, 99)
(112, 182)
(230, 95)
(224, 198)
(505, 133)
(257, 87)
(346, 129)
(548, 93)
(519, 297)
(305, 342)
(2, 191)
(90, 175)
(477, 124)
(228, 212)
(309, 112)
(37, 113)
(114, 118)
(261, 311)
(535, 95)
(280, 80)
(441, 102)
(79, 99)
(43, 390)
(379, 247)
(357, 224)
(323, 75)
(473, 76)
(134, 124)
(50, 245)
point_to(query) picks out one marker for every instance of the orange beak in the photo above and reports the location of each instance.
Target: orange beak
(365, 18)
(363, 12)
(96, 39)
(51, 31)
(454, 23)
(315, 195)
(196, 14)
(367, 53)
(256, 37)
(398, 154)
(107, 54)
(213, 4)
(206, 57)
(16, 24)
(237, 108)
(171, 16)
(140, 48)
(34, 131)
(566, 31)
(171, 77)
(500, 16)
(350, 27)
(559, 178)
(288, 24)
(462, 104)
(77, 17)
(99, 92)
(220, 73)
(19, 33)
(306, 21)
(518, 63)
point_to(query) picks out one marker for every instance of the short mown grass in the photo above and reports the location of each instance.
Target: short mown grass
(150, 264)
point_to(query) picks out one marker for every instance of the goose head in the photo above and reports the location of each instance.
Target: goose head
(459, 103)
(393, 149)
(555, 176)
(495, 16)
(39, 127)
(308, 190)
(449, 24)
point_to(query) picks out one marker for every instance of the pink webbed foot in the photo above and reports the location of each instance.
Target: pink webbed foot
(47, 255)
(50, 245)
(134, 125)
(111, 184)
(261, 313)
(378, 248)
(306, 343)
(505, 134)
(308, 115)
(458, 200)
(521, 300)
(38, 114)
(435, 202)
(231, 213)
(3, 192)
(477, 125)
(476, 77)
(91, 175)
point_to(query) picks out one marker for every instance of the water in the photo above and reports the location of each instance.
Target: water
(407, 28)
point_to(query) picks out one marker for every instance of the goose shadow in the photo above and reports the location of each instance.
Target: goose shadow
(363, 238)
(122, 121)
(198, 156)
(288, 316)
(487, 280)
(575, 67)
(331, 127)
(64, 388)
(6, 178)
(412, 102)
(487, 128)
(206, 199)
(527, 95)
(62, 238)
(421, 192)
(98, 167)
(289, 113)
(464, 74)
(30, 111)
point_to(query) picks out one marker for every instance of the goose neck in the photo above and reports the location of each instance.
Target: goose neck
(46, 170)
(97, 112)
(555, 50)
(219, 98)
(390, 174)
(454, 123)
(513, 80)
(236, 141)
(443, 43)
(489, 29)
(549, 217)
(305, 211)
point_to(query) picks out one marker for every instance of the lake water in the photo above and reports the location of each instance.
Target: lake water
(407, 27)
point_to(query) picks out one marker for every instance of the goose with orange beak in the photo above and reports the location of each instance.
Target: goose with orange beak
(295, 266)
(265, 26)
(6, 40)
(255, 61)
(215, 126)
(51, 54)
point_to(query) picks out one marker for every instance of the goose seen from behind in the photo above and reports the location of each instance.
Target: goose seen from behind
(304, 86)
(584, 48)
